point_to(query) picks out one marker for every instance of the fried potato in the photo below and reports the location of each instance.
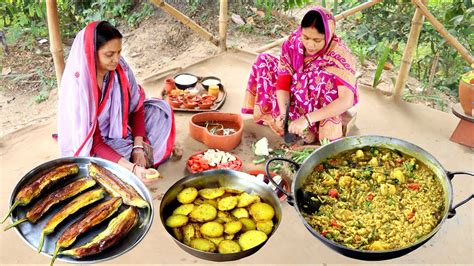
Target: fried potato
(233, 190)
(184, 209)
(197, 232)
(176, 220)
(187, 195)
(228, 246)
(203, 213)
(178, 234)
(211, 193)
(240, 213)
(246, 199)
(248, 224)
(233, 227)
(215, 240)
(252, 239)
(224, 216)
(262, 211)
(265, 226)
(201, 201)
(212, 229)
(228, 237)
(227, 203)
(188, 233)
(203, 245)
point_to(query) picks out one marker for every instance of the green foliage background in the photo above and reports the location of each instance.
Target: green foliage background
(367, 33)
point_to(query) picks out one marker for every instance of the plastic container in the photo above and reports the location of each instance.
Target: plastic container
(213, 90)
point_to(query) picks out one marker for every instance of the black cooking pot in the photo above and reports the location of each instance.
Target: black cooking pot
(306, 168)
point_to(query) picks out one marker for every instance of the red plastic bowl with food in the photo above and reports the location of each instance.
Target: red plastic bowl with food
(190, 105)
(209, 98)
(205, 105)
(199, 162)
(175, 103)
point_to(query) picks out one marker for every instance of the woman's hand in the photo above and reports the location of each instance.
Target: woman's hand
(147, 176)
(298, 126)
(280, 121)
(138, 157)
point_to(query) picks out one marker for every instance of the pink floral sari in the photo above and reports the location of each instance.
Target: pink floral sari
(313, 78)
(82, 109)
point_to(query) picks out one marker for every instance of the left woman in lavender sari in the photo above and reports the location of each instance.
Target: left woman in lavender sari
(103, 111)
(315, 76)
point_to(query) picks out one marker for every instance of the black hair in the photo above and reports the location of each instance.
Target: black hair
(104, 33)
(313, 19)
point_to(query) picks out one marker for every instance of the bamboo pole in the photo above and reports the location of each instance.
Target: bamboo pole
(223, 26)
(56, 46)
(356, 9)
(186, 21)
(442, 30)
(338, 17)
(416, 25)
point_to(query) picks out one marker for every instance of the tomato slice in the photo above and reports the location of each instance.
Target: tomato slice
(414, 186)
(333, 193)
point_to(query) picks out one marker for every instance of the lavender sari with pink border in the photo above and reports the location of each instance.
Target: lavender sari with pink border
(314, 80)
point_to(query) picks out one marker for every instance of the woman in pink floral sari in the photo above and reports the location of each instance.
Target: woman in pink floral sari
(103, 111)
(315, 75)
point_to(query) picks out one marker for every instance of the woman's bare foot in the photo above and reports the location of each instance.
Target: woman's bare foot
(177, 152)
(309, 138)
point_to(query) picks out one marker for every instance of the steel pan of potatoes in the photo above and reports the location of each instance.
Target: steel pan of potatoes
(220, 215)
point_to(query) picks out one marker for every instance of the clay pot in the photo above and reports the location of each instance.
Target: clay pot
(284, 183)
(176, 103)
(205, 105)
(466, 97)
(224, 143)
(190, 104)
(169, 85)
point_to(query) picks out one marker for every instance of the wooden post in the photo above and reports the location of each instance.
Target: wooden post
(223, 26)
(338, 17)
(416, 25)
(186, 21)
(56, 46)
(440, 28)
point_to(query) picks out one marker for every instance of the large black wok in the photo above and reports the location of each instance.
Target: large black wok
(306, 168)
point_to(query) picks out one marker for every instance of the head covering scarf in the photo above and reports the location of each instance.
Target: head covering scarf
(80, 105)
(335, 58)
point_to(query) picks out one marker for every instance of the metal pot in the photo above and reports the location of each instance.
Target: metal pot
(306, 168)
(219, 178)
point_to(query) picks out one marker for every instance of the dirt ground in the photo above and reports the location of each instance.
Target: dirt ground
(159, 43)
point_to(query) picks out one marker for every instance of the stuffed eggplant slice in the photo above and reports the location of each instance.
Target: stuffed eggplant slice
(34, 189)
(55, 197)
(72, 207)
(93, 217)
(116, 230)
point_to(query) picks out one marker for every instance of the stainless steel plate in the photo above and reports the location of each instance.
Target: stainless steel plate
(31, 233)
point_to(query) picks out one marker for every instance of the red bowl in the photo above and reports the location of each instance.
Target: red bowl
(205, 105)
(209, 98)
(284, 183)
(175, 103)
(237, 164)
(190, 105)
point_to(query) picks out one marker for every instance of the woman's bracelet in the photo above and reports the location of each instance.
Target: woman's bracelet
(138, 147)
(308, 119)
